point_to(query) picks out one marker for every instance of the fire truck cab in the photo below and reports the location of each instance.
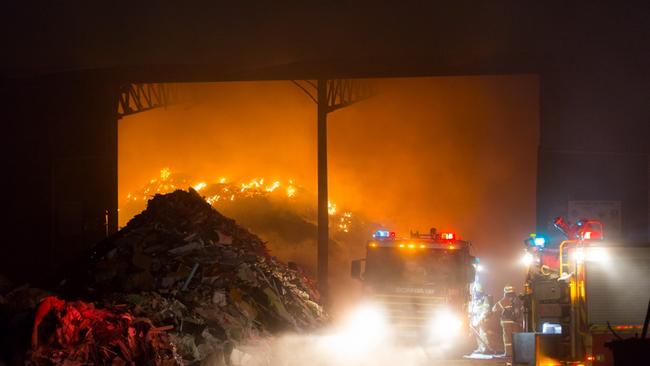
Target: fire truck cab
(599, 290)
(420, 285)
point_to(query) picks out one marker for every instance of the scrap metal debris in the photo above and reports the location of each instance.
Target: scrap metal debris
(78, 333)
(187, 269)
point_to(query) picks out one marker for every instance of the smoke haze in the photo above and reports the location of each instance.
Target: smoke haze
(456, 153)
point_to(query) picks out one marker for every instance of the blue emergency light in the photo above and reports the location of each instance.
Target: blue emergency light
(383, 234)
(539, 241)
(535, 241)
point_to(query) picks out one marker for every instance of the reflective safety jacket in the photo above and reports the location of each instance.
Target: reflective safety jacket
(509, 308)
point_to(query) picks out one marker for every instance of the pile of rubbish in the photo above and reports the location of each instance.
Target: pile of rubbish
(182, 270)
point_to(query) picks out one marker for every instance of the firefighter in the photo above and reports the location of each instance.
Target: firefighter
(477, 315)
(483, 331)
(491, 326)
(509, 309)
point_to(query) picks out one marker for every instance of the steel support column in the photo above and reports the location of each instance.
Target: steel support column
(323, 217)
(330, 96)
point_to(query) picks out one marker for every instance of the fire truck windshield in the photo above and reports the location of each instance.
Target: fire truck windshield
(423, 267)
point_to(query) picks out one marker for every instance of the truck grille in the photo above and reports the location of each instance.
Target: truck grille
(409, 314)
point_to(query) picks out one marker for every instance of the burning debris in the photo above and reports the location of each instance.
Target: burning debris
(223, 192)
(180, 277)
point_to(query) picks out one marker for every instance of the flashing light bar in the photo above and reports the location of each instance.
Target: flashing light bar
(539, 241)
(410, 245)
(384, 234)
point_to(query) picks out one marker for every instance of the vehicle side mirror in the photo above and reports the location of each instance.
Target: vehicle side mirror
(355, 269)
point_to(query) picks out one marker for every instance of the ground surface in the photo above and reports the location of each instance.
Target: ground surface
(470, 363)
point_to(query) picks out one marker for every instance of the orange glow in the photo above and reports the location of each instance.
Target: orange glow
(401, 245)
(381, 153)
(452, 247)
(422, 246)
(411, 246)
(373, 245)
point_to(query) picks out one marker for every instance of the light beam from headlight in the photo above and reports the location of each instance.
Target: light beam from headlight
(597, 254)
(445, 325)
(367, 321)
(363, 330)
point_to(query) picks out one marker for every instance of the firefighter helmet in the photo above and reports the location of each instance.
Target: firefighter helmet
(508, 289)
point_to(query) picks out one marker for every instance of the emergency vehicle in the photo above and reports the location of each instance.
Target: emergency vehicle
(590, 293)
(419, 287)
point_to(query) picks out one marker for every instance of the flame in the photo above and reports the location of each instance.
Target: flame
(222, 190)
(165, 173)
(291, 191)
(199, 186)
(331, 208)
(345, 222)
(273, 187)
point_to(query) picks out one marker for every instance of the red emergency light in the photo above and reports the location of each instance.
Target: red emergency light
(448, 236)
(590, 230)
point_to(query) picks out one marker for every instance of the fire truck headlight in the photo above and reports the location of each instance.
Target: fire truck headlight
(363, 330)
(597, 255)
(445, 324)
(594, 254)
(527, 259)
(367, 322)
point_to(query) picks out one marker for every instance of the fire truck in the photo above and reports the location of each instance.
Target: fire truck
(580, 295)
(418, 288)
